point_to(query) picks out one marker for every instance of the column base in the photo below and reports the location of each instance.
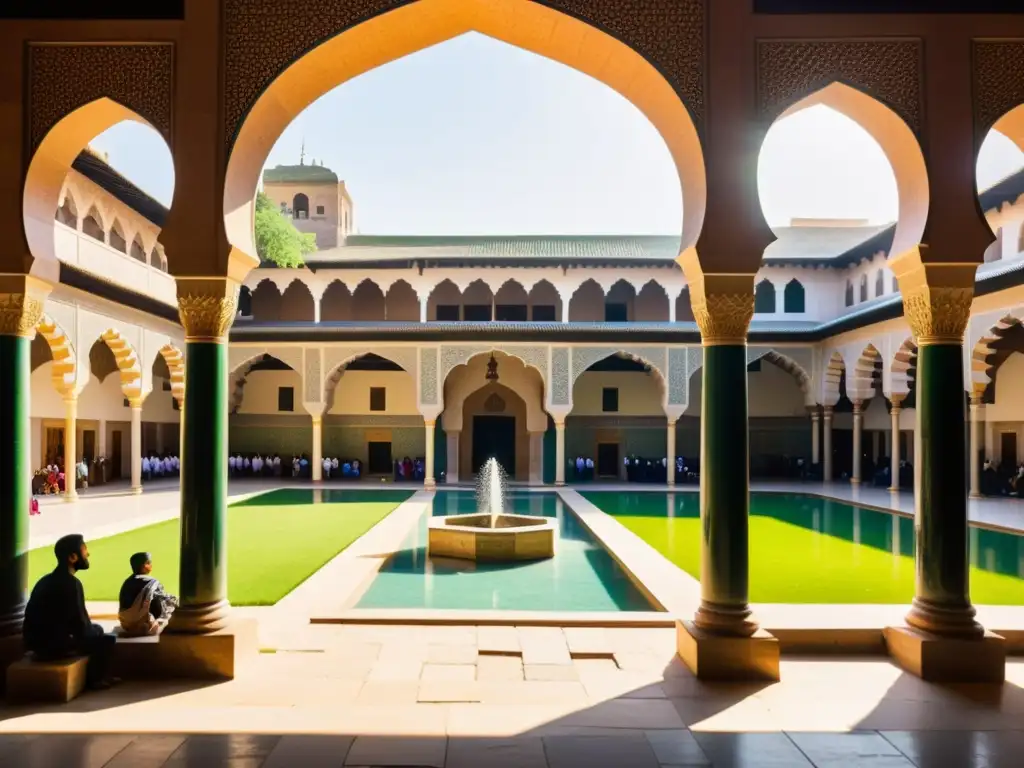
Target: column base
(202, 619)
(940, 659)
(893, 489)
(214, 656)
(559, 483)
(137, 490)
(70, 497)
(430, 485)
(855, 481)
(973, 495)
(721, 657)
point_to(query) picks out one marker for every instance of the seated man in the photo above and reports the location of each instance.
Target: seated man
(144, 606)
(56, 623)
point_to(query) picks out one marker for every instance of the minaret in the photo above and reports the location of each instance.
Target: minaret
(302, 153)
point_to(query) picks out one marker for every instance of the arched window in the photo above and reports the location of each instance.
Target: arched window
(879, 283)
(138, 252)
(117, 241)
(864, 287)
(92, 227)
(300, 206)
(895, 284)
(764, 298)
(67, 214)
(849, 292)
(245, 302)
(793, 297)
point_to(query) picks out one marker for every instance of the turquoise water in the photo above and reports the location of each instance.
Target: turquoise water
(581, 576)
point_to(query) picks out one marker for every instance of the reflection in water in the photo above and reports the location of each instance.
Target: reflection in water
(810, 549)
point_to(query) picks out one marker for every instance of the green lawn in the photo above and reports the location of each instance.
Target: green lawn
(275, 542)
(805, 549)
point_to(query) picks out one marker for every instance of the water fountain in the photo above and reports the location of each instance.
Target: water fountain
(490, 533)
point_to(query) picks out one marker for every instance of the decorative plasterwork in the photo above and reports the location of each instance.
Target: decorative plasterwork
(428, 376)
(889, 70)
(756, 353)
(312, 379)
(694, 359)
(678, 376)
(262, 38)
(998, 72)
(64, 77)
(560, 388)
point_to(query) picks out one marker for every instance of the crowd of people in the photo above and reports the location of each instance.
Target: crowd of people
(409, 469)
(299, 466)
(637, 469)
(1002, 479)
(57, 624)
(155, 467)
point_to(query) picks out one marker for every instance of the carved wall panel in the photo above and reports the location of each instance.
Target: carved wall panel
(890, 70)
(560, 388)
(428, 376)
(678, 376)
(312, 379)
(998, 81)
(62, 78)
(262, 38)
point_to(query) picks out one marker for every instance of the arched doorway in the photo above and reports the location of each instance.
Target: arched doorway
(502, 417)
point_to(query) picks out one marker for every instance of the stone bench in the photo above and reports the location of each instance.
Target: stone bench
(30, 681)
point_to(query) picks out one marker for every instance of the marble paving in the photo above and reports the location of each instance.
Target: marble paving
(467, 696)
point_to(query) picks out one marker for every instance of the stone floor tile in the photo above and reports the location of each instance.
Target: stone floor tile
(147, 751)
(495, 668)
(543, 645)
(385, 692)
(395, 670)
(448, 672)
(498, 640)
(751, 750)
(390, 720)
(599, 751)
(587, 641)
(534, 692)
(522, 752)
(449, 691)
(712, 715)
(641, 662)
(451, 654)
(81, 751)
(551, 672)
(223, 749)
(423, 752)
(628, 713)
(963, 749)
(309, 751)
(676, 747)
(862, 748)
(403, 652)
(622, 685)
(503, 720)
(12, 745)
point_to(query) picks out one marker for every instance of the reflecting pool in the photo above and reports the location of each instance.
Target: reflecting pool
(582, 576)
(807, 549)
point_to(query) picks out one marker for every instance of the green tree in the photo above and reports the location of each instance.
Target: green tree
(277, 239)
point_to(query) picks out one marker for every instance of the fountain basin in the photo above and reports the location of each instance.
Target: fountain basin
(472, 537)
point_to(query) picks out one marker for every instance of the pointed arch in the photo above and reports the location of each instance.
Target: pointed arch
(863, 288)
(900, 146)
(904, 367)
(445, 301)
(684, 309)
(51, 161)
(65, 362)
(117, 238)
(792, 367)
(794, 300)
(297, 303)
(368, 303)
(866, 375)
(336, 372)
(92, 225)
(401, 304)
(764, 298)
(127, 362)
(545, 303)
(587, 302)
(336, 303)
(984, 351)
(651, 303)
(414, 26)
(175, 360)
(848, 295)
(138, 250)
(879, 283)
(832, 379)
(67, 213)
(266, 302)
(620, 302)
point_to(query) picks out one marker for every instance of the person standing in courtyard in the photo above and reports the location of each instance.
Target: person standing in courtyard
(144, 607)
(57, 625)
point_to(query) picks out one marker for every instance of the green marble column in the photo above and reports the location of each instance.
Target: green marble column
(207, 307)
(942, 602)
(724, 492)
(15, 480)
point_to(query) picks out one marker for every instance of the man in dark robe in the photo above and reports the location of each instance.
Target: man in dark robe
(56, 623)
(144, 607)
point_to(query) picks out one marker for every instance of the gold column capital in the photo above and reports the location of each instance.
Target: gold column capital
(207, 307)
(858, 407)
(135, 403)
(937, 299)
(723, 306)
(429, 422)
(828, 410)
(22, 298)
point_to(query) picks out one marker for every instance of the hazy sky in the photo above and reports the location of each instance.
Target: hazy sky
(474, 136)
